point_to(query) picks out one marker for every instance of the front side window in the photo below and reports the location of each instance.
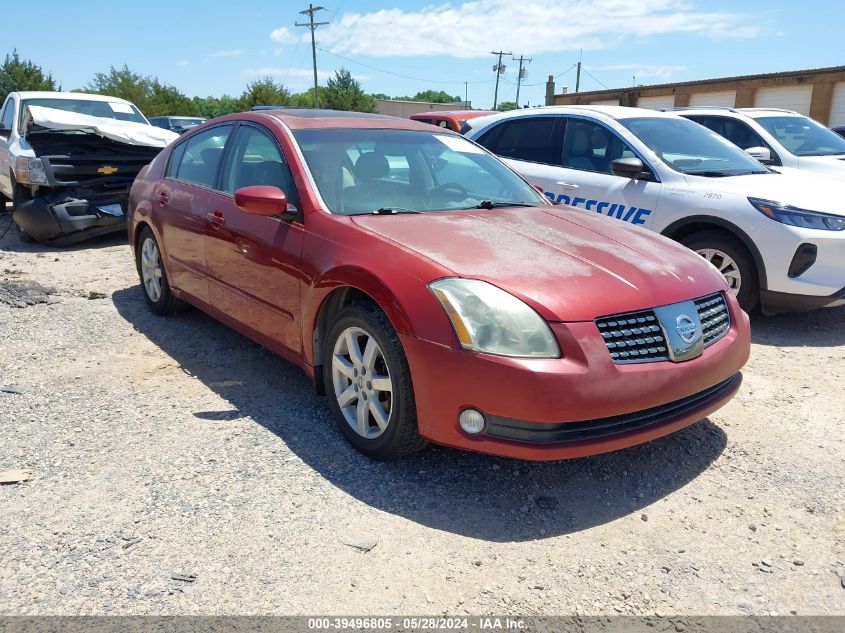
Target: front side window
(589, 146)
(255, 159)
(104, 109)
(803, 136)
(360, 171)
(200, 160)
(691, 148)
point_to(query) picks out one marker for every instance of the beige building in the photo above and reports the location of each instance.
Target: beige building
(404, 109)
(819, 93)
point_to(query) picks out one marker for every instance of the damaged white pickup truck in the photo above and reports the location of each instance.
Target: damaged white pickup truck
(67, 161)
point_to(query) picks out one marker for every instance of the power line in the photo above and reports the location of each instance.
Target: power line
(312, 25)
(390, 72)
(596, 80)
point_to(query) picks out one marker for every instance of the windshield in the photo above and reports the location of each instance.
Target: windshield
(369, 170)
(802, 136)
(106, 109)
(691, 148)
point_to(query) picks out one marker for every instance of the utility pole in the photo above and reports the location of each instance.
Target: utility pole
(499, 71)
(466, 92)
(521, 75)
(578, 73)
(311, 24)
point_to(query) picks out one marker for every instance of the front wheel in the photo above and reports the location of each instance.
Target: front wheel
(157, 292)
(368, 384)
(732, 259)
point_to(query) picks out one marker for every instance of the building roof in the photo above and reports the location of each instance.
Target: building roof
(717, 80)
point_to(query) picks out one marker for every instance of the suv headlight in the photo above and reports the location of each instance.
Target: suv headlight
(30, 171)
(488, 319)
(793, 216)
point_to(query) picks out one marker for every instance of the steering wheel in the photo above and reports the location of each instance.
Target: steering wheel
(451, 187)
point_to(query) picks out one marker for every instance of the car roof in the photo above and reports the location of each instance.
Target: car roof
(750, 112)
(79, 96)
(302, 119)
(607, 112)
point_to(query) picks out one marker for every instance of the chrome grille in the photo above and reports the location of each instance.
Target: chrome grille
(714, 316)
(635, 337)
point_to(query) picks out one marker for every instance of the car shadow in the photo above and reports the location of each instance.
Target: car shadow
(475, 495)
(824, 327)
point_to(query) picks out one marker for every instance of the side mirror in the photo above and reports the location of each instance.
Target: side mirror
(632, 168)
(263, 200)
(763, 154)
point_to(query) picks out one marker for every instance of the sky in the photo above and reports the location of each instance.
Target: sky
(400, 48)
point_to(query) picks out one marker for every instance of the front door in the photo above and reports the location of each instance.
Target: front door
(584, 178)
(254, 261)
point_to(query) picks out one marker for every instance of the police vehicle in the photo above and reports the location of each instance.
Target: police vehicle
(778, 238)
(780, 138)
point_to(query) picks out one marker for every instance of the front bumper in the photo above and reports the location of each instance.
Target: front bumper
(66, 217)
(580, 391)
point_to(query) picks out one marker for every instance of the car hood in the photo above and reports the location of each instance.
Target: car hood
(128, 132)
(832, 165)
(567, 264)
(802, 189)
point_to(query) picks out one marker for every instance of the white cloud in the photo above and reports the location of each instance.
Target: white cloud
(282, 35)
(183, 62)
(641, 71)
(233, 53)
(473, 28)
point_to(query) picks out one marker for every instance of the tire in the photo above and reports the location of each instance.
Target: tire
(346, 381)
(19, 195)
(154, 284)
(733, 260)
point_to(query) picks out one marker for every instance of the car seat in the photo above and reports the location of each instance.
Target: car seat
(580, 149)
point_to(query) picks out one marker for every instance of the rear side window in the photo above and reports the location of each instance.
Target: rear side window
(592, 147)
(528, 139)
(255, 159)
(200, 160)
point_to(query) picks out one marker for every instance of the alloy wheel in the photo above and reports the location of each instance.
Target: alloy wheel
(362, 383)
(151, 270)
(726, 265)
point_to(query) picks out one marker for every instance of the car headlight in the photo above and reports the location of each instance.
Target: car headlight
(488, 319)
(30, 171)
(793, 216)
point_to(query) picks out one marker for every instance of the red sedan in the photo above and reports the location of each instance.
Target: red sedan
(429, 291)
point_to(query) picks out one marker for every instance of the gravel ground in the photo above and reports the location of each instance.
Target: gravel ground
(178, 468)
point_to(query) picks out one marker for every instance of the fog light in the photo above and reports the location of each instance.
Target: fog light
(471, 421)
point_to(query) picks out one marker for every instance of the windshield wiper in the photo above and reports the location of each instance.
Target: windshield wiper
(493, 204)
(391, 211)
(712, 174)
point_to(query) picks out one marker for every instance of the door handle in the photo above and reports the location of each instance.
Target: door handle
(163, 198)
(217, 220)
(567, 185)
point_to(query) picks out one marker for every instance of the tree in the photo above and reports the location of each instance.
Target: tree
(345, 93)
(435, 96)
(165, 100)
(264, 91)
(122, 83)
(22, 74)
(210, 107)
(504, 106)
(305, 99)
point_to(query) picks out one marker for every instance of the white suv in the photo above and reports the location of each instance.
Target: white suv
(780, 138)
(777, 238)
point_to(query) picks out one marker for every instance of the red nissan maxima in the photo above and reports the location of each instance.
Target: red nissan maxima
(429, 291)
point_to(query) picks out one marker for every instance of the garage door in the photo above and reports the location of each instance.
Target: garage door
(655, 103)
(837, 106)
(605, 102)
(787, 97)
(726, 99)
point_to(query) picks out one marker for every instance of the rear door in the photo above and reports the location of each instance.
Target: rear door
(254, 261)
(583, 177)
(526, 143)
(184, 196)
